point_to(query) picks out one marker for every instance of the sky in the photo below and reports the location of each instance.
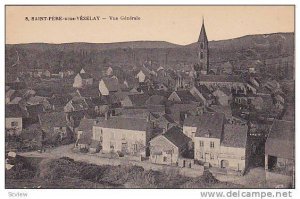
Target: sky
(175, 24)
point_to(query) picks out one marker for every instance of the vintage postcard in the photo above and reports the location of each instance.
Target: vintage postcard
(149, 97)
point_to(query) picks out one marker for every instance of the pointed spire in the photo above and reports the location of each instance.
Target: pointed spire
(202, 36)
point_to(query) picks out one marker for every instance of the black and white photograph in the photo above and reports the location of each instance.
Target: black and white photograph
(149, 97)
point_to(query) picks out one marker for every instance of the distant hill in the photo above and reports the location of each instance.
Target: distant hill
(95, 56)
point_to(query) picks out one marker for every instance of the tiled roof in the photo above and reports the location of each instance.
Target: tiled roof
(185, 96)
(221, 78)
(281, 140)
(86, 124)
(124, 123)
(235, 136)
(79, 103)
(112, 84)
(85, 75)
(35, 110)
(205, 92)
(36, 100)
(89, 92)
(13, 110)
(221, 109)
(59, 100)
(207, 123)
(176, 136)
(138, 99)
(52, 119)
(156, 108)
(156, 100)
(225, 90)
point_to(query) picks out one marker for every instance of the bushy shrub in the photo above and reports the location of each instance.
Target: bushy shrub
(56, 169)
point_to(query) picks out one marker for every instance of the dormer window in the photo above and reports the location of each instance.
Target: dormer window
(207, 135)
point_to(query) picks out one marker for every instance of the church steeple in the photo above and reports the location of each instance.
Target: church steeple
(202, 36)
(203, 52)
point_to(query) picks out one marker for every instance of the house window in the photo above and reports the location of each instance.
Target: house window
(201, 155)
(193, 134)
(212, 156)
(201, 143)
(135, 147)
(212, 145)
(112, 147)
(14, 124)
(165, 159)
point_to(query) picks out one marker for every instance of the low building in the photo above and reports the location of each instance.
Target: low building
(13, 119)
(56, 128)
(280, 148)
(168, 147)
(129, 136)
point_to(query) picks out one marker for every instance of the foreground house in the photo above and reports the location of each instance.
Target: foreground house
(13, 119)
(168, 147)
(220, 144)
(207, 138)
(126, 135)
(55, 127)
(280, 148)
(234, 150)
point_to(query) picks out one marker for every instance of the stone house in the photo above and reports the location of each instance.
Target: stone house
(109, 85)
(82, 80)
(220, 144)
(280, 148)
(234, 150)
(168, 147)
(129, 136)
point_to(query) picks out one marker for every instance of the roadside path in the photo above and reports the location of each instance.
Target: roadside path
(67, 151)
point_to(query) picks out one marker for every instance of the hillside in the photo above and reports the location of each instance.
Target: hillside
(95, 56)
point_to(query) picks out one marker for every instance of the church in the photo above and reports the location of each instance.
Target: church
(202, 69)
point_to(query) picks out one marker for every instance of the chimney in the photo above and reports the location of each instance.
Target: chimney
(163, 131)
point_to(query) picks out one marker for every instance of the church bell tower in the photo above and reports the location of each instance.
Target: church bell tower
(203, 53)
